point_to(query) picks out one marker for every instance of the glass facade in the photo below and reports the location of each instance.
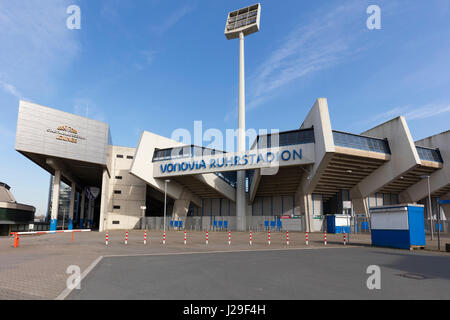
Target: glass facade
(287, 138)
(429, 154)
(349, 140)
(183, 152)
(64, 204)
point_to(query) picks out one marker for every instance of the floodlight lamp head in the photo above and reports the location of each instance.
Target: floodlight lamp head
(245, 20)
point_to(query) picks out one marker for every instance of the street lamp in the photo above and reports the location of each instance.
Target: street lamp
(429, 202)
(165, 201)
(241, 23)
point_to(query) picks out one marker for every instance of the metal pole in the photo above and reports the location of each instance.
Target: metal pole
(439, 226)
(165, 201)
(349, 225)
(240, 183)
(429, 202)
(64, 216)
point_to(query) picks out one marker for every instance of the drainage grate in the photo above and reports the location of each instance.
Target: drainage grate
(414, 276)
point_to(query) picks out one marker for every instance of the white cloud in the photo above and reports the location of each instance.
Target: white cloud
(9, 88)
(314, 45)
(410, 113)
(172, 19)
(427, 111)
(35, 44)
(146, 58)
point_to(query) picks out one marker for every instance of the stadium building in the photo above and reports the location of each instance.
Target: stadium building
(302, 175)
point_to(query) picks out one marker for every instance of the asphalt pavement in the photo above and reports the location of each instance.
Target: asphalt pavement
(301, 273)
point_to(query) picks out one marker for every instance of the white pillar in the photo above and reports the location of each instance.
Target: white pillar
(309, 215)
(104, 201)
(55, 200)
(83, 200)
(240, 183)
(72, 206)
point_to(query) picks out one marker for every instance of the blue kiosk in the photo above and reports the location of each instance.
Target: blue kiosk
(338, 223)
(399, 226)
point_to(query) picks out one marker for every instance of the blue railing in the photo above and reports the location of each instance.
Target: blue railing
(349, 140)
(429, 154)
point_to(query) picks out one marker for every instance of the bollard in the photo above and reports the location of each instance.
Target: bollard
(71, 239)
(307, 242)
(345, 242)
(164, 237)
(325, 239)
(206, 236)
(16, 239)
(287, 237)
(145, 237)
(126, 237)
(250, 238)
(269, 238)
(106, 241)
(185, 237)
(229, 237)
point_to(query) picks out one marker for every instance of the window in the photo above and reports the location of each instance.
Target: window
(119, 156)
(118, 191)
(129, 157)
(119, 177)
(116, 207)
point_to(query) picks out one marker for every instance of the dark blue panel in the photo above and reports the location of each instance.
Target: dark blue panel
(331, 224)
(416, 226)
(391, 238)
(342, 229)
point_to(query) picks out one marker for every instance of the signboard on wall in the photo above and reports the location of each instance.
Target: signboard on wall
(52, 132)
(252, 159)
(347, 204)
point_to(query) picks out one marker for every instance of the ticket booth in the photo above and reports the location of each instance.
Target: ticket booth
(400, 226)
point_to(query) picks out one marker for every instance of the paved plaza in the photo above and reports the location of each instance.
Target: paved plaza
(37, 268)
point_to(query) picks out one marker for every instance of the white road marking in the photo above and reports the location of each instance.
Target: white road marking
(67, 291)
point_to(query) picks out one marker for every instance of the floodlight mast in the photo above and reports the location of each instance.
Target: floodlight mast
(240, 23)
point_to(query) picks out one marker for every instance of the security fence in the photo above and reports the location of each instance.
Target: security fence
(358, 224)
(220, 223)
(444, 226)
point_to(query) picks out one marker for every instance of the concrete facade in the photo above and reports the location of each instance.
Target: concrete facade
(125, 192)
(317, 171)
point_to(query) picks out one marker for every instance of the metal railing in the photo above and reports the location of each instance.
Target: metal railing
(444, 227)
(261, 223)
(222, 223)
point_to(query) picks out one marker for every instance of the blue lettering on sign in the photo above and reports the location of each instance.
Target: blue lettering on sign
(285, 152)
(246, 159)
(260, 158)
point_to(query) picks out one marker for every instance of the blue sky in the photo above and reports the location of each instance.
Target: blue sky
(160, 65)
